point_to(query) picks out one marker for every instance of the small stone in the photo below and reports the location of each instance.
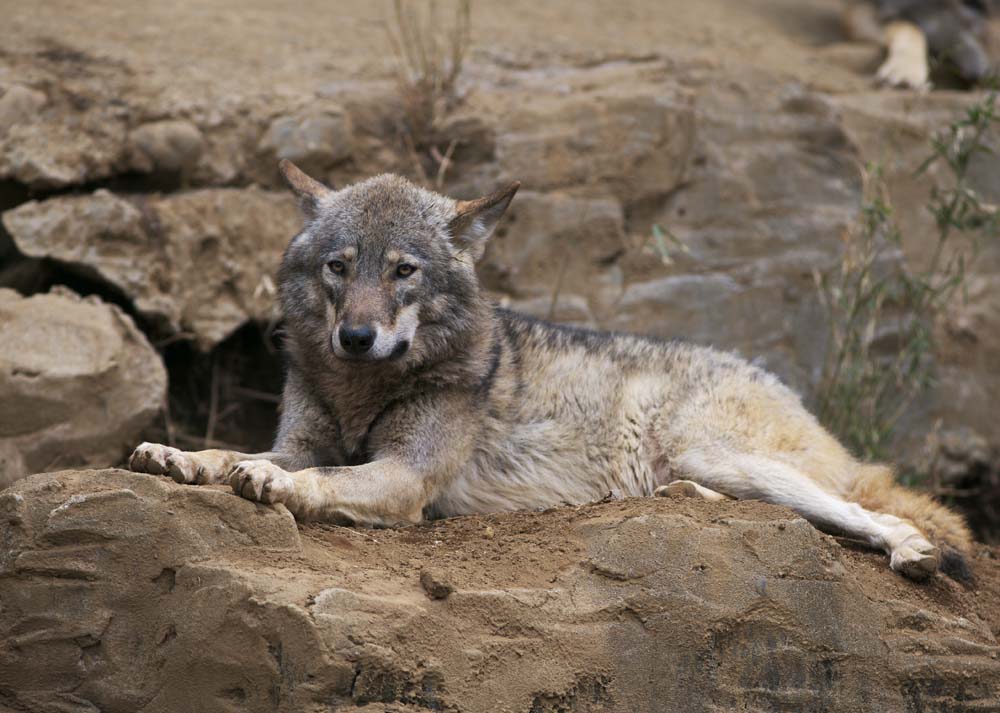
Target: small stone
(315, 141)
(488, 533)
(434, 584)
(165, 146)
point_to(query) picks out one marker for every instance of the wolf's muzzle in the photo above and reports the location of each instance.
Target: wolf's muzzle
(356, 341)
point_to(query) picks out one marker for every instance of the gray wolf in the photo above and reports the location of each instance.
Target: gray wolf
(958, 34)
(409, 395)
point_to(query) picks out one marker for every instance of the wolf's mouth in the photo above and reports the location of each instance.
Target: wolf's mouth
(400, 350)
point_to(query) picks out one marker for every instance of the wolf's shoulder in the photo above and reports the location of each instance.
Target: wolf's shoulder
(630, 350)
(529, 333)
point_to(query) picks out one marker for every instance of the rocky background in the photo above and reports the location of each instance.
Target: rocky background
(138, 151)
(142, 223)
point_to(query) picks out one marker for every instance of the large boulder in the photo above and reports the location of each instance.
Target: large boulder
(125, 592)
(78, 383)
(200, 262)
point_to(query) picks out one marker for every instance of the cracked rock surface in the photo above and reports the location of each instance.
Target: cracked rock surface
(140, 594)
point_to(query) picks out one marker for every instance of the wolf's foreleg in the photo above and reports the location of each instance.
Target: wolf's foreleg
(748, 476)
(305, 431)
(417, 446)
(384, 492)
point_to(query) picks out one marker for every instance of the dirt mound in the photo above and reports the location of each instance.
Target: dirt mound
(124, 592)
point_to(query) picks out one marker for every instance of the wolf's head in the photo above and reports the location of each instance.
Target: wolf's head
(384, 271)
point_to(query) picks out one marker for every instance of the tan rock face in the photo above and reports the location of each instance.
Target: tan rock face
(141, 594)
(200, 262)
(78, 383)
(636, 143)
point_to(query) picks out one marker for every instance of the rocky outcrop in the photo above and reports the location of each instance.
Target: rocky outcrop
(125, 592)
(200, 262)
(78, 383)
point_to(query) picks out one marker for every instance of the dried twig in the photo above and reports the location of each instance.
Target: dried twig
(256, 395)
(213, 403)
(429, 58)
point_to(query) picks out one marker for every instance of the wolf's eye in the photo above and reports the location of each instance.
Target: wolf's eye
(336, 266)
(405, 270)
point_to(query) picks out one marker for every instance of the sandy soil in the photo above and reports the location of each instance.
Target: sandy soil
(522, 549)
(231, 46)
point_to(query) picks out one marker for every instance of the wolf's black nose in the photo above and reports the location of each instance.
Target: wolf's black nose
(356, 340)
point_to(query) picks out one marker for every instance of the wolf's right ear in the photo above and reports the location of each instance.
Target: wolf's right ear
(309, 191)
(475, 220)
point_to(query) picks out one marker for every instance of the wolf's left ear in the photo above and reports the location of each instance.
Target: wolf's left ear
(475, 220)
(309, 191)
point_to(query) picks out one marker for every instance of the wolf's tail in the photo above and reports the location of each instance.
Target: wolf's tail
(875, 489)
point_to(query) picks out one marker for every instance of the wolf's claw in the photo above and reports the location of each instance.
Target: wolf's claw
(261, 480)
(153, 458)
(916, 558)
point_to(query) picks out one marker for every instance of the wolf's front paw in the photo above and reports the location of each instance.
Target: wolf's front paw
(157, 459)
(186, 468)
(261, 480)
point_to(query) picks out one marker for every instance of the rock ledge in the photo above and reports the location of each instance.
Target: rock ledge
(126, 592)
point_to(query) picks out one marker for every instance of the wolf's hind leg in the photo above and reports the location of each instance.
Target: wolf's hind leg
(750, 477)
(688, 489)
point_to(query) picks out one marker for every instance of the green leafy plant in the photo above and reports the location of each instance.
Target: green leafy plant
(881, 311)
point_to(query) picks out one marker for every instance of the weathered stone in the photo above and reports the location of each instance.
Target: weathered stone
(172, 146)
(436, 585)
(64, 149)
(174, 597)
(314, 140)
(19, 105)
(78, 383)
(201, 262)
